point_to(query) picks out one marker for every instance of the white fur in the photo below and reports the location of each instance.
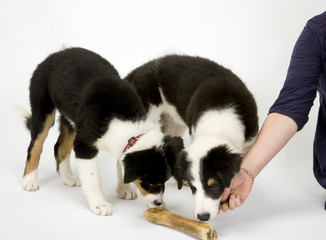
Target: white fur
(155, 112)
(30, 182)
(118, 134)
(153, 138)
(151, 198)
(91, 184)
(196, 151)
(223, 124)
(23, 112)
(66, 175)
(204, 204)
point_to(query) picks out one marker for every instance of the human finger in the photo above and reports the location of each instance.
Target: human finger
(238, 202)
(224, 207)
(232, 204)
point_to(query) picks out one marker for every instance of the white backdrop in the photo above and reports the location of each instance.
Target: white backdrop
(253, 38)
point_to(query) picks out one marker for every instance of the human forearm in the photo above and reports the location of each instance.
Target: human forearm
(277, 130)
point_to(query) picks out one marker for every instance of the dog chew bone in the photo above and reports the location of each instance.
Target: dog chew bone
(162, 216)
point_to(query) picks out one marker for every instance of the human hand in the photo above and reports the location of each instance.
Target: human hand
(237, 193)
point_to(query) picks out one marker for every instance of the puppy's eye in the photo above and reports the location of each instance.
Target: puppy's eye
(214, 185)
(153, 185)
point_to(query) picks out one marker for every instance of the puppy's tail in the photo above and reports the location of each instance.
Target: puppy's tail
(25, 114)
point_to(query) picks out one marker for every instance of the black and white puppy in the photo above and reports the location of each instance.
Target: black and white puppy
(217, 108)
(98, 111)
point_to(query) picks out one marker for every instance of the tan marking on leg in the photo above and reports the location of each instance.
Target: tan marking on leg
(63, 149)
(66, 142)
(142, 191)
(64, 146)
(35, 153)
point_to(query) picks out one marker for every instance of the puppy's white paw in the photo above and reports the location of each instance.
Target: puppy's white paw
(101, 208)
(66, 175)
(31, 186)
(30, 182)
(126, 192)
(71, 181)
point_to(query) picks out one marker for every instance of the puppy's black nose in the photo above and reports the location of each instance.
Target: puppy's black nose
(203, 216)
(157, 203)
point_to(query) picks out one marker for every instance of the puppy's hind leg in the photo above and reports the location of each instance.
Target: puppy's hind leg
(40, 124)
(123, 190)
(62, 150)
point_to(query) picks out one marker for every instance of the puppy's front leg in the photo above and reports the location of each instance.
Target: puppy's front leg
(123, 190)
(91, 184)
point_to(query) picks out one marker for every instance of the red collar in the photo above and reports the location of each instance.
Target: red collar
(131, 142)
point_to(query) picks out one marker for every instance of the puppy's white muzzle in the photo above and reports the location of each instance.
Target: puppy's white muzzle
(205, 207)
(153, 200)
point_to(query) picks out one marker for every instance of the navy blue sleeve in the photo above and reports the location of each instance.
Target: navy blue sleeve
(299, 90)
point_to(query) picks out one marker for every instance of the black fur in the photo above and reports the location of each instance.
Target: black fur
(221, 165)
(139, 164)
(160, 161)
(171, 148)
(194, 85)
(62, 124)
(144, 79)
(182, 172)
(86, 89)
(153, 167)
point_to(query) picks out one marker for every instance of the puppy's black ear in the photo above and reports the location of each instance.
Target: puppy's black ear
(225, 177)
(135, 167)
(233, 167)
(149, 162)
(181, 168)
(226, 163)
(172, 147)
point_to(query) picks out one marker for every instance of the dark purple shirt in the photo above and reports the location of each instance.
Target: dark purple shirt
(306, 76)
